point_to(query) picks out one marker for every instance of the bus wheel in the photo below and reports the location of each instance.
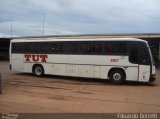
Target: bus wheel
(117, 76)
(38, 70)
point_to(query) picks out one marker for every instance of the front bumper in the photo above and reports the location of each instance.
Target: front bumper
(152, 77)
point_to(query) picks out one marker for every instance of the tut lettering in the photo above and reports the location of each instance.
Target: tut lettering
(35, 58)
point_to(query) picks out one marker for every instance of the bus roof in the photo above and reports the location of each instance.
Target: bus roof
(78, 39)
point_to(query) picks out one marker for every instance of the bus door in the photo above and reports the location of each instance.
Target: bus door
(144, 62)
(139, 55)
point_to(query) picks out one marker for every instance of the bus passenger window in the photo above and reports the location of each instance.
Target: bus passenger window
(96, 47)
(108, 47)
(35, 48)
(74, 47)
(65, 47)
(44, 48)
(121, 48)
(133, 56)
(86, 47)
(18, 48)
(28, 48)
(53, 47)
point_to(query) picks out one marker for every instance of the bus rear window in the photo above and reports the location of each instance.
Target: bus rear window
(17, 47)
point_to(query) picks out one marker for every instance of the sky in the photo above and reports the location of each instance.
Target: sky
(62, 17)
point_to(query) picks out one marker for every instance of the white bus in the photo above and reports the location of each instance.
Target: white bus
(115, 59)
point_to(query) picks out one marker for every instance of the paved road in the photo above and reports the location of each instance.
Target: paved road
(26, 93)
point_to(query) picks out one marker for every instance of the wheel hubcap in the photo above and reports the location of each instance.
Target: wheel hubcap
(38, 71)
(117, 76)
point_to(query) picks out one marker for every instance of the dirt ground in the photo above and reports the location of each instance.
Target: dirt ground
(26, 93)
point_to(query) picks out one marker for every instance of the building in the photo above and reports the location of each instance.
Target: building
(152, 38)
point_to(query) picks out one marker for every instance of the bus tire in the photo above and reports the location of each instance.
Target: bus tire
(117, 76)
(38, 70)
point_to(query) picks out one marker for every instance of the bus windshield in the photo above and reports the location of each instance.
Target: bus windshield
(140, 54)
(152, 59)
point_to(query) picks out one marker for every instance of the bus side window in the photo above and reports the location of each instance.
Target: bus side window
(54, 47)
(133, 56)
(65, 47)
(44, 47)
(17, 47)
(32, 47)
(121, 48)
(75, 47)
(28, 48)
(35, 48)
(86, 47)
(109, 48)
(96, 47)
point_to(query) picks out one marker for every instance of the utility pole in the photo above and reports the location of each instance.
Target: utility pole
(11, 30)
(44, 15)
